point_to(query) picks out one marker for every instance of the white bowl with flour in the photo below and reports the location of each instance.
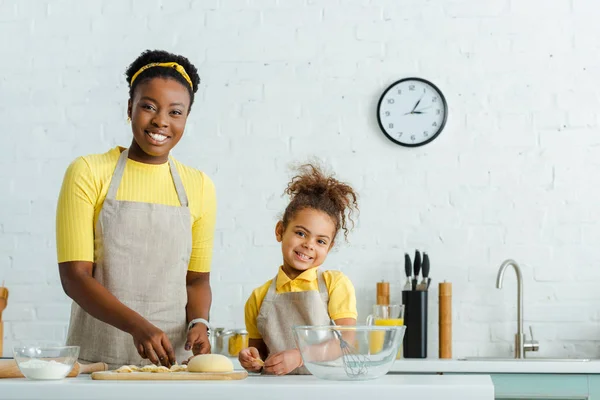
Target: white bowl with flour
(46, 363)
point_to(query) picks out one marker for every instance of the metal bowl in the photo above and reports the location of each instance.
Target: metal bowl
(46, 363)
(348, 352)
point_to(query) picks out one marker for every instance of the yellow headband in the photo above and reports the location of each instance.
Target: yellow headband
(173, 65)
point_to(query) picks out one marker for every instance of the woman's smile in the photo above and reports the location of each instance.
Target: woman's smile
(156, 138)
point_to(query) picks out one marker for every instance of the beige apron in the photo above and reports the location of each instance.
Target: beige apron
(142, 252)
(280, 312)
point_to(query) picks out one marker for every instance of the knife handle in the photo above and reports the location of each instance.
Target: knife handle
(425, 265)
(417, 264)
(407, 265)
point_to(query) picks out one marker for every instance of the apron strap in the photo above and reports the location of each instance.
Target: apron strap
(272, 292)
(323, 291)
(118, 175)
(183, 200)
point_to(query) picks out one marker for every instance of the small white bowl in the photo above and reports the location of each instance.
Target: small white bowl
(45, 363)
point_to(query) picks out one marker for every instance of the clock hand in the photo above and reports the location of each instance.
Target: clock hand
(417, 105)
(425, 108)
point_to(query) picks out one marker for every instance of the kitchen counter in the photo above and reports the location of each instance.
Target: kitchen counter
(495, 366)
(431, 387)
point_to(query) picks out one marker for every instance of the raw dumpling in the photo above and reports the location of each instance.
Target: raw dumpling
(178, 368)
(125, 369)
(210, 363)
(149, 368)
(259, 362)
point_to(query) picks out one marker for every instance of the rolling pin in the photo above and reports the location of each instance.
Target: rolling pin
(9, 369)
(445, 320)
(3, 303)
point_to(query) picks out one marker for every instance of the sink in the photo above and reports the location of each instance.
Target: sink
(531, 359)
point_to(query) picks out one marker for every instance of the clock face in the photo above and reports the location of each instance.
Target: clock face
(412, 112)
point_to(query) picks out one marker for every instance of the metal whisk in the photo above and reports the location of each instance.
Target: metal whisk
(355, 363)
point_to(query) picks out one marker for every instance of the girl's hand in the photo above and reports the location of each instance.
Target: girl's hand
(284, 362)
(250, 359)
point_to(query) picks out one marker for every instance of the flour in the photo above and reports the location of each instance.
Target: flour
(40, 369)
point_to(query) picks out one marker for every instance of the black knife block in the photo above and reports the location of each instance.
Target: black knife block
(415, 320)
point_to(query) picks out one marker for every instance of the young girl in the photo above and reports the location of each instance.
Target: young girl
(300, 294)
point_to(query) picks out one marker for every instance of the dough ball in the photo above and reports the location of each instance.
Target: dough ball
(210, 363)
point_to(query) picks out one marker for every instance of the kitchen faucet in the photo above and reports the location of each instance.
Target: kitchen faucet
(521, 344)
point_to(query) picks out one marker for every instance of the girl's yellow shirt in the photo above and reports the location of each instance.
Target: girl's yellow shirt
(342, 297)
(85, 186)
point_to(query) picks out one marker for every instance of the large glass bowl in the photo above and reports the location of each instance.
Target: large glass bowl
(344, 353)
(45, 363)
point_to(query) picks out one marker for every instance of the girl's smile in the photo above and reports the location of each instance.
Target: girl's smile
(306, 241)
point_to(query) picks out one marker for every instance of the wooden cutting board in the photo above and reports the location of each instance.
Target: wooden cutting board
(170, 376)
(9, 369)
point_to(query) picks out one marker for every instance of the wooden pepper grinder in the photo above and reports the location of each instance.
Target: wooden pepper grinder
(445, 320)
(3, 302)
(383, 293)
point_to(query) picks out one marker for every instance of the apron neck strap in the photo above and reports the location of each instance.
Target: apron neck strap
(322, 288)
(183, 200)
(118, 175)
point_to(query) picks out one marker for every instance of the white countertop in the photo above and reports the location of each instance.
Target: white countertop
(431, 387)
(529, 366)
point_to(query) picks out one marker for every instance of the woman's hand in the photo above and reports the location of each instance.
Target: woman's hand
(197, 340)
(284, 362)
(153, 344)
(250, 359)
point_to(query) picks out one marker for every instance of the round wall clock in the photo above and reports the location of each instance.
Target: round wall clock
(412, 112)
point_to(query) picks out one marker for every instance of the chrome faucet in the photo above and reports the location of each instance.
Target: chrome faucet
(521, 344)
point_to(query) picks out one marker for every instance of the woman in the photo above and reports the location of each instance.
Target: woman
(135, 231)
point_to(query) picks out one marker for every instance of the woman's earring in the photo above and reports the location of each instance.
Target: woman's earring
(128, 120)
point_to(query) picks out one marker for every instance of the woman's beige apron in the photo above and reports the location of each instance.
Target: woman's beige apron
(280, 312)
(142, 252)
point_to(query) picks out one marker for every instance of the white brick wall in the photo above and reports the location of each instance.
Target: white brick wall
(514, 174)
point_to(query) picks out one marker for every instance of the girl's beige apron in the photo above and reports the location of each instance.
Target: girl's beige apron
(142, 252)
(280, 312)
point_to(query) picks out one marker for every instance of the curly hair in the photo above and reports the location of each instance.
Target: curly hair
(311, 188)
(159, 56)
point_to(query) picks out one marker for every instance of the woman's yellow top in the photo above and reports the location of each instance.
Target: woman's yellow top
(85, 186)
(342, 298)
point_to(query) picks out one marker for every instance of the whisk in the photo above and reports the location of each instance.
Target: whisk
(355, 364)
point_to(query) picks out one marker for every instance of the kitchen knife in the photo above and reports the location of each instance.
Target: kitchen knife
(425, 272)
(9, 369)
(416, 269)
(407, 271)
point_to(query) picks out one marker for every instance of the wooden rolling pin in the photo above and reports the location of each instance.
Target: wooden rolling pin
(3, 303)
(9, 369)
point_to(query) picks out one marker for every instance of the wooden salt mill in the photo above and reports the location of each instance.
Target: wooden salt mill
(383, 293)
(3, 302)
(445, 320)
